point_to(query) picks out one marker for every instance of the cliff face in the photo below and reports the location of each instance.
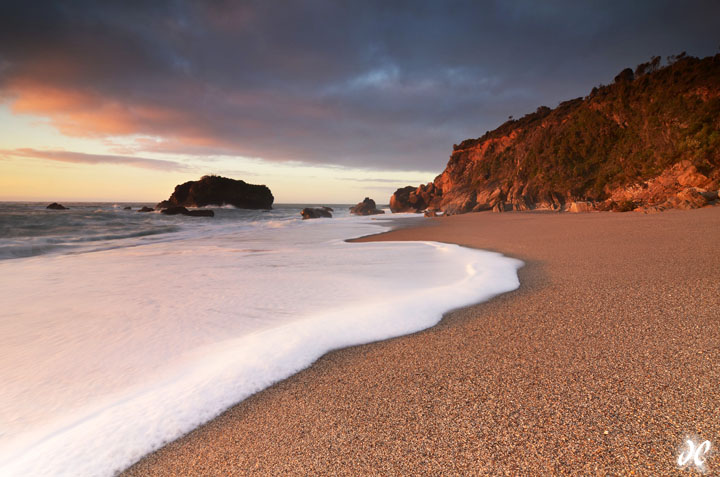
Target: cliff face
(216, 190)
(638, 143)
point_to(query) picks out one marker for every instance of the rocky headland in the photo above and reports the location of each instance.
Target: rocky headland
(219, 191)
(648, 142)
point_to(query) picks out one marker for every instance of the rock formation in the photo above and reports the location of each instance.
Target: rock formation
(316, 212)
(650, 141)
(580, 207)
(216, 190)
(366, 207)
(191, 213)
(410, 199)
(146, 209)
(56, 206)
(680, 186)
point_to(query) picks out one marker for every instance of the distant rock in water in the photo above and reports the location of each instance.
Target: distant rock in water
(56, 206)
(366, 207)
(316, 212)
(146, 209)
(648, 142)
(127, 208)
(216, 190)
(192, 213)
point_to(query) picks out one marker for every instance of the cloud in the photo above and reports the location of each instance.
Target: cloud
(83, 158)
(383, 180)
(373, 84)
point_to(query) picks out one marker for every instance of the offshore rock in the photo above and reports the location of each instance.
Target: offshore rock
(366, 207)
(56, 206)
(216, 190)
(145, 209)
(316, 212)
(190, 213)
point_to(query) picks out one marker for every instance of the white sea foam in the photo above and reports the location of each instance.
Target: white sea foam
(108, 355)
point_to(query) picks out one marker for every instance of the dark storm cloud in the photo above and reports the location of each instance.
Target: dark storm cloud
(370, 83)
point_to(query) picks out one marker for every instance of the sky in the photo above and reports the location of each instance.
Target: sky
(322, 101)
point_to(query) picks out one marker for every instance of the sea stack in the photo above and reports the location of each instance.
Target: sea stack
(366, 207)
(219, 191)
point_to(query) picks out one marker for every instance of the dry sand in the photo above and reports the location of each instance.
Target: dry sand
(603, 362)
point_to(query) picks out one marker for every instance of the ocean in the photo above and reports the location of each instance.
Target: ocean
(122, 331)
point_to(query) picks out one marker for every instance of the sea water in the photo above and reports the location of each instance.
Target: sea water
(122, 331)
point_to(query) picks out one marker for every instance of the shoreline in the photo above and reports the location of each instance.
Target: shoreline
(581, 369)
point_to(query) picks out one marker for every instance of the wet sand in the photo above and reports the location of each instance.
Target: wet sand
(603, 362)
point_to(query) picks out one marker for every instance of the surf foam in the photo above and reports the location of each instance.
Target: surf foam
(109, 355)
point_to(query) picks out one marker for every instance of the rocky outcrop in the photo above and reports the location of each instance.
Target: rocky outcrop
(366, 207)
(56, 206)
(406, 199)
(190, 213)
(145, 209)
(680, 186)
(578, 207)
(316, 212)
(127, 208)
(649, 141)
(413, 199)
(216, 190)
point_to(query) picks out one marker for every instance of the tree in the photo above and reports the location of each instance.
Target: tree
(625, 76)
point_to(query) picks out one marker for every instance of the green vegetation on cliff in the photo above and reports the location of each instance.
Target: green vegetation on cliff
(586, 148)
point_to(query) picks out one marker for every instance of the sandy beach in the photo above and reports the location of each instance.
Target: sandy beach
(604, 361)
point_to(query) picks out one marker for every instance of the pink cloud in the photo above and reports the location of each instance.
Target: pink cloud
(83, 158)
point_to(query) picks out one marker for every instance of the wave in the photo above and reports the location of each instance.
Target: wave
(10, 249)
(28, 250)
(232, 317)
(128, 235)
